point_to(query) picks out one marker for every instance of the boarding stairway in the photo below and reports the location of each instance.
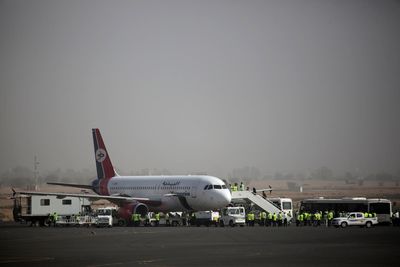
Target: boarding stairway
(249, 197)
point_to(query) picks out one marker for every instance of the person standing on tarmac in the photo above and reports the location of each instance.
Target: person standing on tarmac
(253, 217)
(248, 218)
(330, 217)
(263, 218)
(285, 220)
(275, 219)
(55, 218)
(157, 217)
(280, 219)
(270, 219)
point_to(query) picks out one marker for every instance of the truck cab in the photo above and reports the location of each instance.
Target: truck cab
(106, 216)
(233, 216)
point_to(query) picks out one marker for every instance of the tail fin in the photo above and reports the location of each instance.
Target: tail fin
(105, 170)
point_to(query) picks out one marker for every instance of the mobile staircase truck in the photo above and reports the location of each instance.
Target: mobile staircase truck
(270, 205)
(36, 210)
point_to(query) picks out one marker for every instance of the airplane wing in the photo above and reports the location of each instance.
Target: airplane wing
(84, 186)
(113, 198)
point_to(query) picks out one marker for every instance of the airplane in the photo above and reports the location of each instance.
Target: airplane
(141, 194)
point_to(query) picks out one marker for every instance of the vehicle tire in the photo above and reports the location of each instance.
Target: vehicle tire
(231, 224)
(221, 223)
(121, 222)
(368, 224)
(343, 224)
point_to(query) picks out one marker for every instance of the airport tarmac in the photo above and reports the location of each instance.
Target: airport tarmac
(199, 246)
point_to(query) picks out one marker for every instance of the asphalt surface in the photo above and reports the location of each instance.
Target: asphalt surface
(199, 246)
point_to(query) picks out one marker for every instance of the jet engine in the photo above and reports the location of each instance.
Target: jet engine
(126, 210)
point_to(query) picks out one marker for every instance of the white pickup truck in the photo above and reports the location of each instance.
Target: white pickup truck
(233, 216)
(356, 219)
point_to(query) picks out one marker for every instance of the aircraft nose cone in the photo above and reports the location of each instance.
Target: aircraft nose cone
(226, 197)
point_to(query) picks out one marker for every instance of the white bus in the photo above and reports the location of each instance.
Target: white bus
(382, 207)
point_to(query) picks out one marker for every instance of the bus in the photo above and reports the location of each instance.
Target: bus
(382, 207)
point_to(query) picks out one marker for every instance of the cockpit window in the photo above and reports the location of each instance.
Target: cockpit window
(208, 187)
(215, 186)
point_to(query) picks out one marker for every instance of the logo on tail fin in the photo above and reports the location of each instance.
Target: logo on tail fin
(104, 167)
(101, 155)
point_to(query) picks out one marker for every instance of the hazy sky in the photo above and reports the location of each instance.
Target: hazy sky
(201, 85)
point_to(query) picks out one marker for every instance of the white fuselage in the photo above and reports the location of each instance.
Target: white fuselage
(174, 193)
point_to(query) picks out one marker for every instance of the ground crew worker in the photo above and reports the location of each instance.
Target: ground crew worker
(76, 218)
(235, 187)
(157, 217)
(365, 214)
(193, 219)
(308, 219)
(317, 220)
(241, 187)
(55, 218)
(252, 218)
(216, 219)
(274, 219)
(136, 219)
(270, 218)
(263, 218)
(248, 218)
(280, 219)
(330, 217)
(301, 218)
(133, 219)
(305, 218)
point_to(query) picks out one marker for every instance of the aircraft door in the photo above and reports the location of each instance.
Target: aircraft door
(193, 192)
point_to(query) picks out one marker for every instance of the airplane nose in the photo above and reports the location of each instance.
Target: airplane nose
(226, 197)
